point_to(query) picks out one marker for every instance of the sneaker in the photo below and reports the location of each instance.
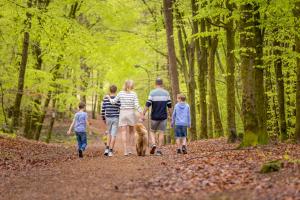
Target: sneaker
(179, 151)
(152, 151)
(110, 153)
(80, 154)
(158, 153)
(106, 152)
(184, 151)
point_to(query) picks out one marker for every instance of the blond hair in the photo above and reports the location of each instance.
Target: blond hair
(128, 85)
(181, 96)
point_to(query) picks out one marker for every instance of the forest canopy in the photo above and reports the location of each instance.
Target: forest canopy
(237, 61)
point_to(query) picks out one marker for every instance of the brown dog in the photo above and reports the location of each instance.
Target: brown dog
(140, 139)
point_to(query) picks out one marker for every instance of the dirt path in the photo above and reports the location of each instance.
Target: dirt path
(213, 169)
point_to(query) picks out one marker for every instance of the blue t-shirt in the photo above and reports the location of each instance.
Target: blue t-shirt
(80, 121)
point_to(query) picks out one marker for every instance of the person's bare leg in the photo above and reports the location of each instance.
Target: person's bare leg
(184, 141)
(161, 139)
(131, 138)
(152, 138)
(112, 142)
(124, 138)
(178, 143)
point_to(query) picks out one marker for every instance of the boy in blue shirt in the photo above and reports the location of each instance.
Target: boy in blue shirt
(80, 124)
(181, 120)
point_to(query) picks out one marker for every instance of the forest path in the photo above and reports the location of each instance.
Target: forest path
(212, 169)
(93, 177)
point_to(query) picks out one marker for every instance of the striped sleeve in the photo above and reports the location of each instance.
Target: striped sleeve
(103, 108)
(136, 103)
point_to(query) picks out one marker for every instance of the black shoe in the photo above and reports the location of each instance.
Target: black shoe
(179, 151)
(152, 151)
(158, 153)
(80, 154)
(184, 151)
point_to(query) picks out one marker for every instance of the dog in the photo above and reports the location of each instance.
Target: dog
(141, 139)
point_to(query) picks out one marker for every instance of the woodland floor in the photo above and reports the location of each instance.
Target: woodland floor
(212, 169)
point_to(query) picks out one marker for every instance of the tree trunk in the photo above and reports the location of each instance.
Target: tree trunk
(259, 79)
(280, 91)
(237, 106)
(23, 64)
(202, 66)
(230, 78)
(297, 49)
(42, 117)
(52, 121)
(218, 128)
(94, 116)
(247, 44)
(168, 14)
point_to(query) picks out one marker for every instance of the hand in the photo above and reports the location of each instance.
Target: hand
(69, 132)
(142, 116)
(107, 96)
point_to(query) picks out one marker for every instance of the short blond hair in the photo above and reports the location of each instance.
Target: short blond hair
(128, 85)
(182, 97)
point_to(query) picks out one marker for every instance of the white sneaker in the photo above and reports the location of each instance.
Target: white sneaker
(110, 154)
(125, 153)
(106, 152)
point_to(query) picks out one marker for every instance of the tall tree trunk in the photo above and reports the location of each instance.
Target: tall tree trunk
(247, 44)
(191, 80)
(52, 121)
(168, 14)
(218, 128)
(42, 117)
(210, 130)
(230, 78)
(202, 66)
(237, 106)
(94, 116)
(297, 49)
(259, 79)
(280, 91)
(22, 71)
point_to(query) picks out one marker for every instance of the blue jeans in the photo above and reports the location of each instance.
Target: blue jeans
(81, 140)
(180, 131)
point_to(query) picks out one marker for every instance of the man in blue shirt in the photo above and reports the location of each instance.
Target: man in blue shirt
(160, 102)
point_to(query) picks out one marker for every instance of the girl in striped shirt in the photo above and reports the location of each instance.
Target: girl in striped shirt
(128, 119)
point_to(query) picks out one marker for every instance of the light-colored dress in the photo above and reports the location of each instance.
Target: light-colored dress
(129, 105)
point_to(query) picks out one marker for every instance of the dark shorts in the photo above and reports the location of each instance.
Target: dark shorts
(180, 131)
(158, 125)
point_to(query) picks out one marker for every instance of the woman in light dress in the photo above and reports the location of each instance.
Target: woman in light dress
(128, 118)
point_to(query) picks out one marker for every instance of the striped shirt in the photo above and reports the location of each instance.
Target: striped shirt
(129, 100)
(110, 110)
(160, 100)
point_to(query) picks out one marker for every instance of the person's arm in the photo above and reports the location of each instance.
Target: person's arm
(148, 105)
(169, 105)
(137, 104)
(71, 127)
(114, 100)
(103, 108)
(189, 117)
(88, 125)
(173, 117)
